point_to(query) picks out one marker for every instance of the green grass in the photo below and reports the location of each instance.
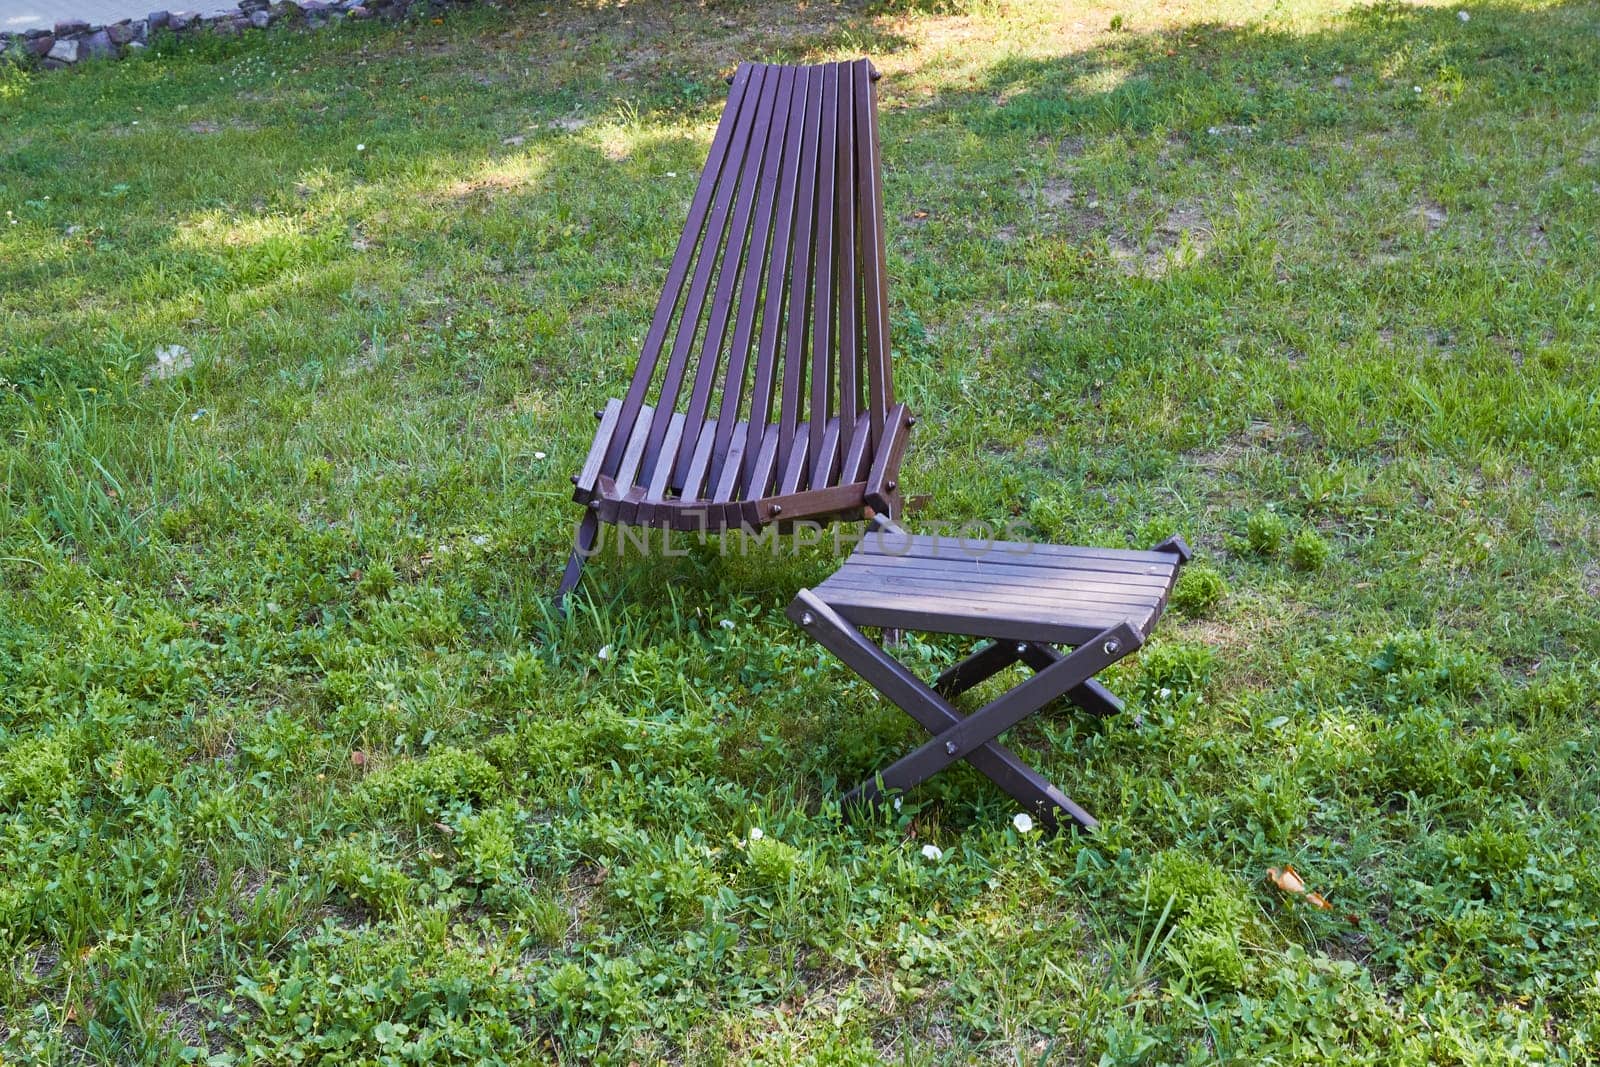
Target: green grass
(294, 763)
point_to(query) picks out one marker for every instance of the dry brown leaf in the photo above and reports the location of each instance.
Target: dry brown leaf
(1289, 880)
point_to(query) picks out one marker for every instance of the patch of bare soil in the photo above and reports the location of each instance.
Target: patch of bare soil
(182, 1019)
(1057, 193)
(1431, 214)
(483, 188)
(1179, 240)
(204, 126)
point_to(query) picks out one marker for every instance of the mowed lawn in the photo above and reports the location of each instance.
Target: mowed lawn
(296, 765)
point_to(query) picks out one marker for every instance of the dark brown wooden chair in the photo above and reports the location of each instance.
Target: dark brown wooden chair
(1025, 599)
(790, 415)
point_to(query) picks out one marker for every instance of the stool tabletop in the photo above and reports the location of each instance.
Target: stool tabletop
(999, 589)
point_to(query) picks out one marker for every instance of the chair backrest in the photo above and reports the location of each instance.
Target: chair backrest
(785, 242)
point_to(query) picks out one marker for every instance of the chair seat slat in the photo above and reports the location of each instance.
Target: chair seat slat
(794, 472)
(694, 479)
(881, 479)
(633, 455)
(856, 457)
(585, 482)
(661, 477)
(825, 464)
(727, 482)
(764, 466)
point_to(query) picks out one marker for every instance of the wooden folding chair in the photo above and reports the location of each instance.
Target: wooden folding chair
(785, 243)
(1100, 604)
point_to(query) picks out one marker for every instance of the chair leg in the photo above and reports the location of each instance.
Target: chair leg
(582, 545)
(890, 677)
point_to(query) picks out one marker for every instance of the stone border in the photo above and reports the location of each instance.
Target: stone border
(74, 41)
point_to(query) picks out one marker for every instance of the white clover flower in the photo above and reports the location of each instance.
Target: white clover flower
(1464, 16)
(538, 455)
(361, 148)
(726, 624)
(897, 803)
(1416, 88)
(1023, 822)
(1164, 693)
(932, 852)
(604, 653)
(756, 834)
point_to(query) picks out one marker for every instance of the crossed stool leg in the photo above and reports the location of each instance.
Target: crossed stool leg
(972, 737)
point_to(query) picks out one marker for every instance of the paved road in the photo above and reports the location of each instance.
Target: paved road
(18, 15)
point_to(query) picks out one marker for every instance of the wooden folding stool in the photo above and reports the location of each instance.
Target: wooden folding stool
(1099, 604)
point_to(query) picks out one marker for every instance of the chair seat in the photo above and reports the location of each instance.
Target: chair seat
(999, 589)
(736, 487)
(631, 507)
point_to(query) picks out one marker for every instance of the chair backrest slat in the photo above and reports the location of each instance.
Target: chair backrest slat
(874, 276)
(732, 258)
(681, 258)
(844, 220)
(776, 299)
(755, 277)
(711, 239)
(769, 345)
(794, 355)
(822, 275)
